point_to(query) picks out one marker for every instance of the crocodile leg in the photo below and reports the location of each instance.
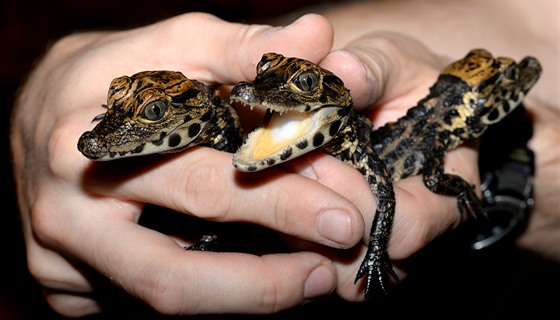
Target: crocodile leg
(449, 184)
(377, 263)
(207, 242)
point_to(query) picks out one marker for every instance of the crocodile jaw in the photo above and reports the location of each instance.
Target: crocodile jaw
(283, 136)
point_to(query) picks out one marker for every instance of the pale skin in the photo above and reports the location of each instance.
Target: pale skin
(71, 219)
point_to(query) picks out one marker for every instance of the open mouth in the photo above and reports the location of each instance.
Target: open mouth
(282, 136)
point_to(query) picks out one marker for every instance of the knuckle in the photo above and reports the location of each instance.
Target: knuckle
(161, 290)
(271, 297)
(281, 211)
(179, 22)
(274, 292)
(37, 268)
(61, 45)
(62, 156)
(206, 190)
(42, 222)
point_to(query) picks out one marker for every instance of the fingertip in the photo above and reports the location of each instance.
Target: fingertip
(338, 227)
(292, 40)
(315, 29)
(320, 282)
(365, 81)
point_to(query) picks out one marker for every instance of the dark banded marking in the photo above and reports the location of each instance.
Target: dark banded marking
(318, 139)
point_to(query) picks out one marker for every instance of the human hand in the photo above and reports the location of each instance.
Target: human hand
(392, 72)
(77, 224)
(443, 31)
(406, 69)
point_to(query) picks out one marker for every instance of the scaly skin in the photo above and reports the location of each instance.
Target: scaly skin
(470, 94)
(159, 112)
(317, 113)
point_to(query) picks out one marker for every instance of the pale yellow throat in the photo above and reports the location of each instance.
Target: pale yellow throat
(283, 135)
(279, 132)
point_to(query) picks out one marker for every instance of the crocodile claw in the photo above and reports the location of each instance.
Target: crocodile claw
(207, 242)
(376, 265)
(469, 203)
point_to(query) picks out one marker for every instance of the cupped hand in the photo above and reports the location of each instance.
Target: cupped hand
(77, 225)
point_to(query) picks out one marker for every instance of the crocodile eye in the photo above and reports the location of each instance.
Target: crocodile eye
(155, 110)
(307, 81)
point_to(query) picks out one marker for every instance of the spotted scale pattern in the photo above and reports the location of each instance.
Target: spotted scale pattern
(469, 95)
(292, 85)
(158, 112)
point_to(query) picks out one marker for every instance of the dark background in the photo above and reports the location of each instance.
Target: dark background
(446, 283)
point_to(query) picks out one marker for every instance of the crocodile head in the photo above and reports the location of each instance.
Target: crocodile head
(149, 112)
(497, 84)
(305, 105)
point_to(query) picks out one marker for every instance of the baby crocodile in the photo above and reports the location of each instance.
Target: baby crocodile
(308, 107)
(469, 95)
(159, 112)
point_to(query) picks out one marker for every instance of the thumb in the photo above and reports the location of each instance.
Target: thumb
(214, 50)
(382, 67)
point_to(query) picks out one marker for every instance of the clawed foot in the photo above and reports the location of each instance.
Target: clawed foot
(376, 265)
(208, 242)
(470, 204)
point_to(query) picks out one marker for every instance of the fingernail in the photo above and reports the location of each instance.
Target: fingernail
(336, 226)
(319, 283)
